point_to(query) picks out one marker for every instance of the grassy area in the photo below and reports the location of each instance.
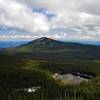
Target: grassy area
(16, 73)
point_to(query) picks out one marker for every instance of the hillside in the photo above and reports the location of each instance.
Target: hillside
(35, 63)
(48, 48)
(45, 43)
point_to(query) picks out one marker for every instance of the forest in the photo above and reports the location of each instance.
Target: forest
(17, 73)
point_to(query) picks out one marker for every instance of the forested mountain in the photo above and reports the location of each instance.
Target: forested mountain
(35, 64)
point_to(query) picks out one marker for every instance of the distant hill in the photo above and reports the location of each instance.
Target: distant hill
(11, 44)
(45, 43)
(46, 47)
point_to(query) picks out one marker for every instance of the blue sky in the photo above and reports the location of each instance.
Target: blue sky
(59, 19)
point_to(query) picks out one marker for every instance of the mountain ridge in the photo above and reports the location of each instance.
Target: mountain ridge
(44, 41)
(49, 48)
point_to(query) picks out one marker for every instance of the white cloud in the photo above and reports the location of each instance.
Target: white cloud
(80, 18)
(89, 6)
(7, 37)
(15, 14)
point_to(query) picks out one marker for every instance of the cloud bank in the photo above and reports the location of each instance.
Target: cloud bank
(61, 19)
(15, 14)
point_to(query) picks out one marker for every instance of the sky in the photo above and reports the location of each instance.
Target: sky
(58, 19)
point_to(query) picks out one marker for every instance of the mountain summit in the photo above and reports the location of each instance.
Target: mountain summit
(44, 41)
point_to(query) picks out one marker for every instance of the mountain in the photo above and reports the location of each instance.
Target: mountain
(49, 48)
(45, 43)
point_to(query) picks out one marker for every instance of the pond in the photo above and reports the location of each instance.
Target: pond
(69, 78)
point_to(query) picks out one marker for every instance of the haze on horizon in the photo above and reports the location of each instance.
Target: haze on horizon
(58, 19)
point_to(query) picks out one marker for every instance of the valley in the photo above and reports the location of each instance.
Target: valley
(36, 63)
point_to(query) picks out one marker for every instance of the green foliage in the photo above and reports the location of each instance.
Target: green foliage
(18, 73)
